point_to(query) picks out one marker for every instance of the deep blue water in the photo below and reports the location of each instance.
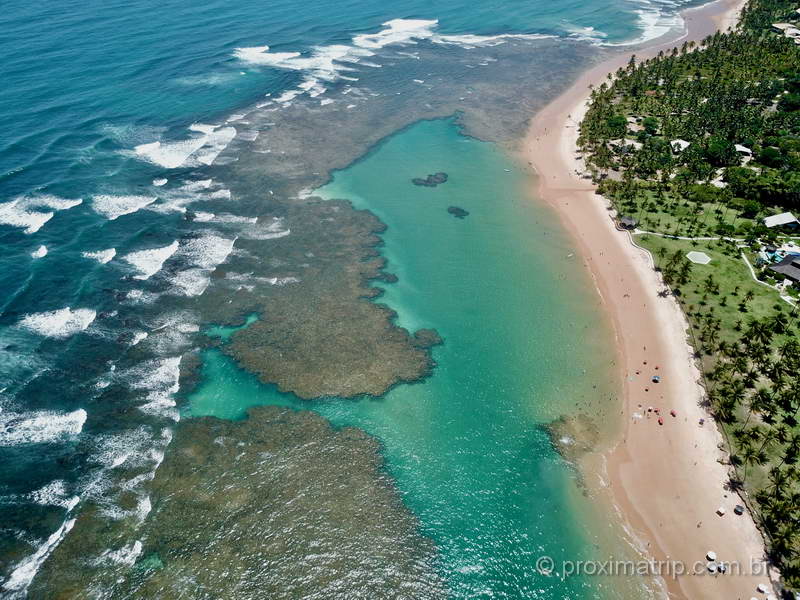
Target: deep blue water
(84, 85)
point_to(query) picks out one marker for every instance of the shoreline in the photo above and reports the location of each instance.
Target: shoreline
(666, 481)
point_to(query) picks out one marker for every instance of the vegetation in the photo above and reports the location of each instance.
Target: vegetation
(698, 145)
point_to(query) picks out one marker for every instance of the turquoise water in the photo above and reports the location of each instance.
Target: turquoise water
(522, 346)
(102, 270)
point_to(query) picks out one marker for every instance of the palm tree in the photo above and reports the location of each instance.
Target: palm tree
(768, 437)
(751, 456)
(661, 253)
(759, 402)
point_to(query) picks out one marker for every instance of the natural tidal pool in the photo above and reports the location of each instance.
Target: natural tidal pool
(524, 343)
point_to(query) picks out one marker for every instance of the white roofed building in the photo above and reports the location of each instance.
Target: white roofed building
(786, 219)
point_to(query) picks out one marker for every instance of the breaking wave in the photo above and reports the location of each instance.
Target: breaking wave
(113, 207)
(30, 213)
(60, 323)
(39, 427)
(197, 150)
(148, 262)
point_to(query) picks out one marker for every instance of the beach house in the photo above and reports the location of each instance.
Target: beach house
(789, 267)
(784, 221)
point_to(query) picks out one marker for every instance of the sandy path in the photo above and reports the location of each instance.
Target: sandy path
(665, 479)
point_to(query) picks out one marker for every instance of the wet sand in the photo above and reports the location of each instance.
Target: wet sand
(666, 481)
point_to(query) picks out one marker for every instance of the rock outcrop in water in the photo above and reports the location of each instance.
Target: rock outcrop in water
(573, 436)
(430, 180)
(279, 506)
(457, 212)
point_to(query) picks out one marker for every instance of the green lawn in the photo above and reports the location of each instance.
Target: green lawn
(666, 214)
(732, 276)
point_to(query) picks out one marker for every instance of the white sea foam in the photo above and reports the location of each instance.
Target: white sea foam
(320, 64)
(126, 555)
(158, 182)
(588, 34)
(192, 282)
(40, 252)
(479, 41)
(113, 207)
(207, 217)
(654, 22)
(170, 155)
(197, 185)
(172, 333)
(409, 31)
(331, 63)
(179, 199)
(249, 278)
(129, 447)
(23, 573)
(197, 150)
(215, 144)
(266, 231)
(655, 18)
(39, 427)
(141, 297)
(160, 378)
(205, 253)
(221, 194)
(60, 323)
(54, 494)
(138, 336)
(144, 507)
(397, 31)
(101, 256)
(148, 262)
(31, 212)
(159, 374)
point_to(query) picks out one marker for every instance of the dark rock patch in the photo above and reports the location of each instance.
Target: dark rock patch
(430, 180)
(457, 212)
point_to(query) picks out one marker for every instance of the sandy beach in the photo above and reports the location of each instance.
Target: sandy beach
(667, 480)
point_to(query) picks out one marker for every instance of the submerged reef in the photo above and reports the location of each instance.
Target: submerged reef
(319, 333)
(279, 506)
(430, 180)
(573, 436)
(457, 212)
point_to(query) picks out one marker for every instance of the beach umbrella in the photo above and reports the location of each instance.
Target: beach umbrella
(712, 567)
(711, 555)
(761, 588)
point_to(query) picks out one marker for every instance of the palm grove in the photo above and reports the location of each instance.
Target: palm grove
(699, 144)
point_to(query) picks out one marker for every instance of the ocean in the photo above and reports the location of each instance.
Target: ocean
(192, 200)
